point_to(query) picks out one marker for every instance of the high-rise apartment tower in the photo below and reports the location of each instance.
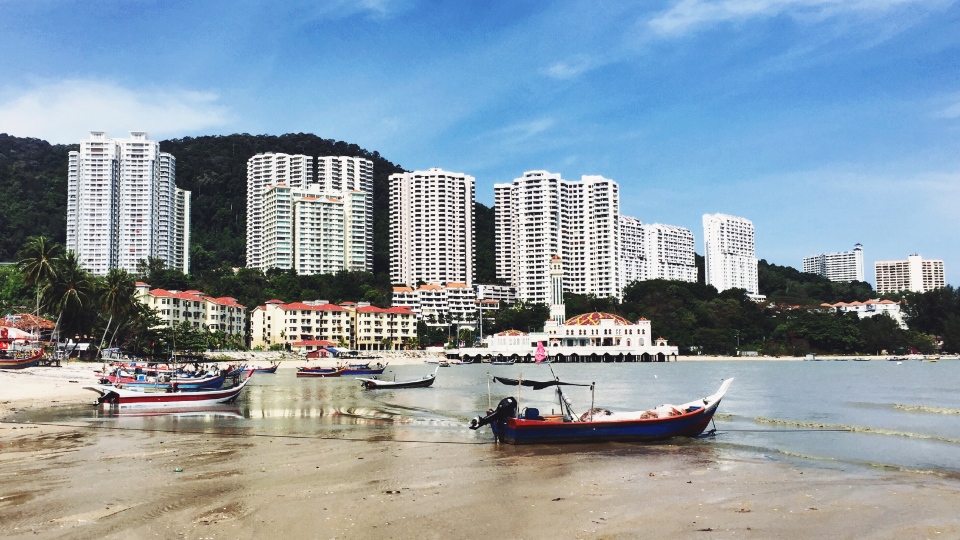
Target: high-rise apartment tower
(541, 215)
(431, 227)
(730, 259)
(914, 274)
(123, 205)
(843, 266)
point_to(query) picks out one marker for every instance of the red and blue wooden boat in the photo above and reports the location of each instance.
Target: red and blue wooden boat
(319, 372)
(147, 397)
(183, 383)
(21, 363)
(597, 425)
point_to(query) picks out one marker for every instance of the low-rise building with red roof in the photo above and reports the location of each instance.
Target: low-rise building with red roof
(349, 325)
(195, 308)
(870, 308)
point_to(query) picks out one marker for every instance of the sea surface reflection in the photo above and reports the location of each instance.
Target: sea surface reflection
(829, 413)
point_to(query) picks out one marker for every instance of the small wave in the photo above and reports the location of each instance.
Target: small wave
(926, 409)
(804, 456)
(855, 429)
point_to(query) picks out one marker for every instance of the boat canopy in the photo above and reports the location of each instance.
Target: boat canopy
(536, 385)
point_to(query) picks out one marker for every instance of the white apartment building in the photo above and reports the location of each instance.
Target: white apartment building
(914, 274)
(194, 308)
(443, 304)
(312, 231)
(314, 227)
(870, 308)
(431, 227)
(498, 293)
(670, 253)
(351, 175)
(841, 266)
(655, 251)
(540, 215)
(729, 253)
(181, 238)
(123, 205)
(263, 171)
(633, 257)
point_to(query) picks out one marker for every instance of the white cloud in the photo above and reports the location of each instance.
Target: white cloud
(688, 15)
(570, 68)
(66, 111)
(524, 130)
(953, 111)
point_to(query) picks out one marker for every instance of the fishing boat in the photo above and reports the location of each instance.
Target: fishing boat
(377, 384)
(147, 397)
(128, 379)
(319, 372)
(512, 425)
(14, 357)
(272, 369)
(25, 361)
(502, 363)
(351, 370)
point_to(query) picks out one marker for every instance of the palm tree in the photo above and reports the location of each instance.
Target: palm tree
(37, 262)
(71, 294)
(116, 297)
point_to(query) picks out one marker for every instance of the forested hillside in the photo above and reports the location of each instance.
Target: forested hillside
(33, 181)
(33, 192)
(214, 169)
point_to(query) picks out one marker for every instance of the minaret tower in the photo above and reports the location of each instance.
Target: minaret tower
(558, 311)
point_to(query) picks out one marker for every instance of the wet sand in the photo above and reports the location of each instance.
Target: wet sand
(84, 482)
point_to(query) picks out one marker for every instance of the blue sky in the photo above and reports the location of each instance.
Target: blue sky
(825, 122)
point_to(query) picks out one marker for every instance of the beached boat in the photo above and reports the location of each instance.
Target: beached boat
(271, 369)
(319, 372)
(528, 426)
(377, 384)
(20, 363)
(129, 380)
(147, 397)
(350, 370)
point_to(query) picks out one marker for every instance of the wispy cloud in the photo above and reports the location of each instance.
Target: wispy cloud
(523, 130)
(686, 16)
(65, 111)
(951, 111)
(570, 68)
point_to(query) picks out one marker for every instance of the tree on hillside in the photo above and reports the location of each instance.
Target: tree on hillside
(37, 262)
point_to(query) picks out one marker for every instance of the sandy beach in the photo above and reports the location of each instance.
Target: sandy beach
(86, 481)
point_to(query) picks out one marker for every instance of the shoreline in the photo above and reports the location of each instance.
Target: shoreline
(42, 386)
(71, 480)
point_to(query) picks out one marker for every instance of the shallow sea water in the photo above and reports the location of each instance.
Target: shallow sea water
(902, 416)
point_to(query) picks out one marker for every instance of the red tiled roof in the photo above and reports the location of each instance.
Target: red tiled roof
(512, 333)
(313, 343)
(308, 307)
(163, 293)
(402, 289)
(29, 321)
(593, 319)
(274, 301)
(225, 301)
